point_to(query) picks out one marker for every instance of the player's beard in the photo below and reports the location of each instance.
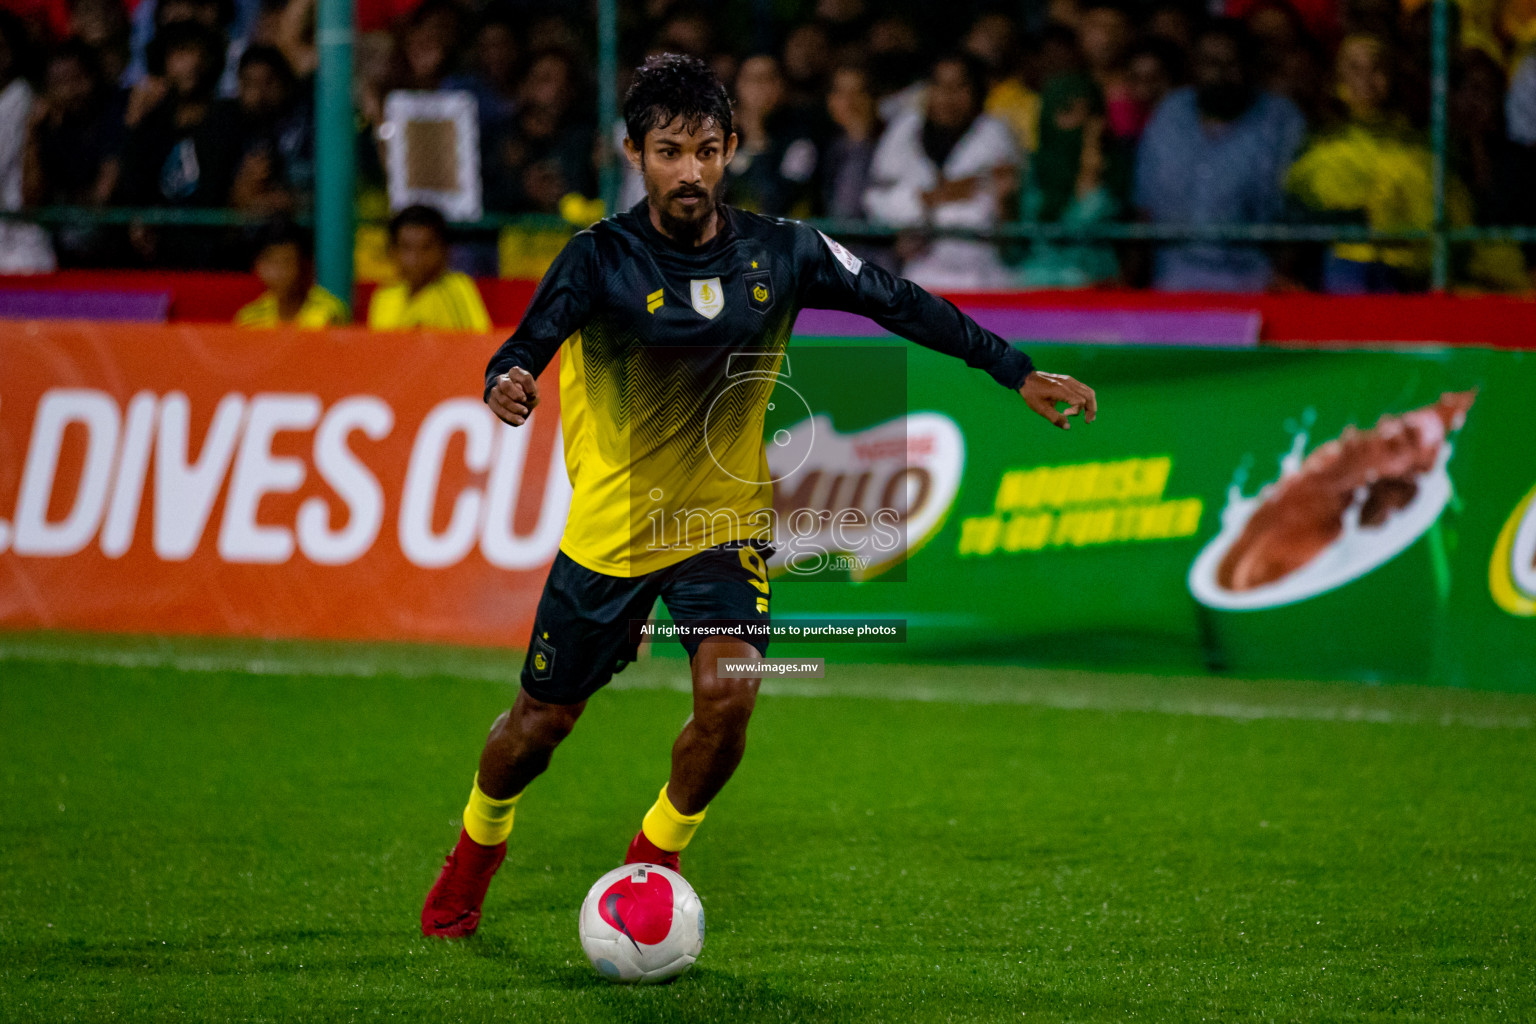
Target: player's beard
(686, 228)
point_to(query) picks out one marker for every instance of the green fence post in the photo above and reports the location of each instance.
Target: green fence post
(1439, 78)
(335, 155)
(607, 98)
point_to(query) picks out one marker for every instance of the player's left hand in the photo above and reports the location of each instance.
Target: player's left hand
(1042, 392)
(515, 396)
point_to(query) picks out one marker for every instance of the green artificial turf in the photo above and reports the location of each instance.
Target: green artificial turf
(197, 832)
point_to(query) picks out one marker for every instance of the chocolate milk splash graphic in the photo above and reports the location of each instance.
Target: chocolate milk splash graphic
(1332, 516)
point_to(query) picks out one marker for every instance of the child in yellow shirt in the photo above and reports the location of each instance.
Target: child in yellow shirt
(428, 293)
(285, 263)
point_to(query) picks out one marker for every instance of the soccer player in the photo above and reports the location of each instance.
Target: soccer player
(285, 263)
(656, 307)
(428, 294)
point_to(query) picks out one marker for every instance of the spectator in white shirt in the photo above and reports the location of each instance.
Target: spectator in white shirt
(946, 166)
(24, 248)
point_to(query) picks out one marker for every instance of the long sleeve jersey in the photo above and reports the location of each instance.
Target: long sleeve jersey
(671, 354)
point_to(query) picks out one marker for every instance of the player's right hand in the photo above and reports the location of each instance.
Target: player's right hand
(514, 396)
(1044, 391)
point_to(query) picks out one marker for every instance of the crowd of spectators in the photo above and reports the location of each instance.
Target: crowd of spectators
(916, 118)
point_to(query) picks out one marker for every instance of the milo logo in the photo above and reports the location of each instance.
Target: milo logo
(861, 502)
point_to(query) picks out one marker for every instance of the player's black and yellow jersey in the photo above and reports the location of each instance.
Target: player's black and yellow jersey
(668, 366)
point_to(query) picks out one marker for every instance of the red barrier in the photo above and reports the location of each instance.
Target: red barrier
(1494, 320)
(1500, 321)
(214, 298)
(364, 491)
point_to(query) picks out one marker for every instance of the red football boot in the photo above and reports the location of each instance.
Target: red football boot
(452, 910)
(643, 851)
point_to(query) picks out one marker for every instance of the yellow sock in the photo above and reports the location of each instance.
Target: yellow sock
(488, 821)
(667, 827)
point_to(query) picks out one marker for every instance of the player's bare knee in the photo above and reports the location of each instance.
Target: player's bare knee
(723, 704)
(542, 725)
(553, 725)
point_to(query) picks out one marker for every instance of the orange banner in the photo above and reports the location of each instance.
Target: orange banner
(213, 480)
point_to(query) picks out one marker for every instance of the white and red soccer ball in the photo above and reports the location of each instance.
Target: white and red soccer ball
(641, 923)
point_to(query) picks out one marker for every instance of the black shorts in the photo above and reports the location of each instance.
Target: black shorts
(581, 632)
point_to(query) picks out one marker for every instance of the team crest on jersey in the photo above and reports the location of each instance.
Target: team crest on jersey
(759, 290)
(542, 657)
(708, 297)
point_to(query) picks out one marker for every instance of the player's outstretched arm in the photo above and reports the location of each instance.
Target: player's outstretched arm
(1043, 392)
(837, 279)
(513, 396)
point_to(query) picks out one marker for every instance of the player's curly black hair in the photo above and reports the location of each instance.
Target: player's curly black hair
(672, 85)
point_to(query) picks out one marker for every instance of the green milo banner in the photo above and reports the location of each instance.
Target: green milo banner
(1313, 514)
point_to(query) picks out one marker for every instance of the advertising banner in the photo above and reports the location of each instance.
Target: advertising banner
(213, 480)
(1342, 514)
(1363, 514)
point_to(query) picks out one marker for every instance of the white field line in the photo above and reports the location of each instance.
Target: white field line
(1086, 695)
(1065, 698)
(256, 665)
